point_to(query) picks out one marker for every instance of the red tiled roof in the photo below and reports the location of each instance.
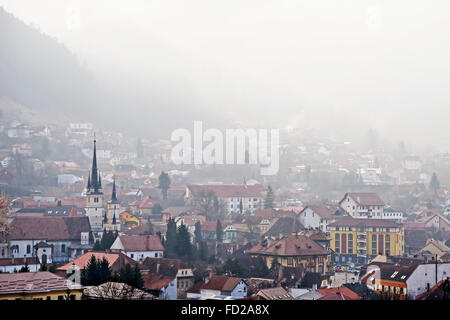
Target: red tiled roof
(270, 213)
(341, 293)
(155, 281)
(295, 245)
(366, 199)
(229, 191)
(33, 281)
(116, 260)
(211, 225)
(141, 243)
(222, 283)
(146, 203)
(48, 228)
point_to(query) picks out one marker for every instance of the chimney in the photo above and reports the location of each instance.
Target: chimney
(24, 258)
(12, 260)
(157, 267)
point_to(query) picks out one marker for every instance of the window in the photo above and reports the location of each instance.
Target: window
(337, 243)
(28, 249)
(156, 255)
(394, 274)
(132, 256)
(63, 248)
(350, 243)
(374, 244)
(388, 244)
(289, 261)
(49, 298)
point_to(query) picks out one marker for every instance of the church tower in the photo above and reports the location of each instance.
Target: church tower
(94, 196)
(112, 218)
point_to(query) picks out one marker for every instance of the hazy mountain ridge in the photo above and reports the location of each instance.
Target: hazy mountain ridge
(39, 72)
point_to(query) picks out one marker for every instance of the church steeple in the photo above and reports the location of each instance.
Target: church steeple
(114, 194)
(95, 182)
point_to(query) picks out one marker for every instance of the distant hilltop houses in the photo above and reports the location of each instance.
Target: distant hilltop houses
(167, 232)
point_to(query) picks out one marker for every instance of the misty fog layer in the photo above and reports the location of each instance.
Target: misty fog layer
(341, 67)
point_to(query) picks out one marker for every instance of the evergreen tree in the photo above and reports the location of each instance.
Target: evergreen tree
(171, 238)
(25, 268)
(198, 232)
(203, 251)
(157, 209)
(164, 184)
(43, 267)
(219, 231)
(240, 206)
(97, 246)
(269, 200)
(434, 182)
(126, 275)
(183, 242)
(96, 272)
(138, 282)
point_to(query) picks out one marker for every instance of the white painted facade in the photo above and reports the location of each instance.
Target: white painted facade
(311, 220)
(355, 210)
(425, 276)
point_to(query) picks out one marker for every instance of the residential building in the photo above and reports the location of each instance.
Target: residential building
(293, 251)
(357, 240)
(317, 217)
(215, 285)
(51, 239)
(435, 248)
(139, 247)
(392, 214)
(169, 268)
(362, 205)
(230, 196)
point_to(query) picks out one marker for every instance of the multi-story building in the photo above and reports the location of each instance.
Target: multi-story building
(234, 198)
(357, 240)
(362, 205)
(293, 251)
(317, 217)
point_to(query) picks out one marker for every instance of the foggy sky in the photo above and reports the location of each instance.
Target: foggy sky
(341, 66)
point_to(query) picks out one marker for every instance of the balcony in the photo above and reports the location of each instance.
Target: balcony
(361, 247)
(361, 233)
(361, 255)
(362, 240)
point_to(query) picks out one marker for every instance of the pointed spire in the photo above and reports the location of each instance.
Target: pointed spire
(96, 183)
(105, 219)
(114, 218)
(114, 195)
(89, 182)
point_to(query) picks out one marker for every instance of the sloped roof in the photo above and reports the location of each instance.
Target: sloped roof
(278, 293)
(164, 266)
(156, 281)
(229, 191)
(141, 243)
(284, 226)
(220, 283)
(116, 260)
(396, 273)
(295, 245)
(48, 228)
(352, 222)
(324, 211)
(34, 281)
(341, 293)
(365, 199)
